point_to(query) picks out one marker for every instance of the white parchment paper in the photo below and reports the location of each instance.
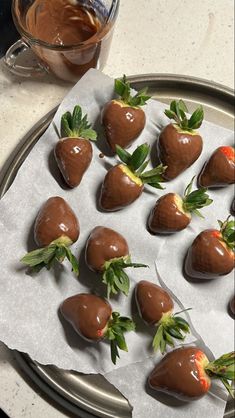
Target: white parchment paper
(29, 318)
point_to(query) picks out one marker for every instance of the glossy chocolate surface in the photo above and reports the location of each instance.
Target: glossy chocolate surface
(166, 217)
(177, 150)
(118, 190)
(103, 245)
(73, 156)
(219, 171)
(56, 22)
(232, 306)
(54, 220)
(152, 301)
(123, 124)
(178, 374)
(87, 313)
(208, 257)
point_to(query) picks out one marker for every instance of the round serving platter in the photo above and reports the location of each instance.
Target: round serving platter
(91, 395)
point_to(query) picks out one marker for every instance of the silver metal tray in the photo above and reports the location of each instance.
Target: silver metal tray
(91, 395)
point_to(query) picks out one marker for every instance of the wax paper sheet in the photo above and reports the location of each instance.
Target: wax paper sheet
(29, 317)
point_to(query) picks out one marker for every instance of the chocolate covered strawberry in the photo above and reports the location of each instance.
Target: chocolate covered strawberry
(124, 183)
(179, 144)
(156, 308)
(123, 118)
(219, 170)
(55, 229)
(232, 306)
(172, 213)
(107, 253)
(73, 152)
(212, 252)
(233, 207)
(186, 373)
(92, 317)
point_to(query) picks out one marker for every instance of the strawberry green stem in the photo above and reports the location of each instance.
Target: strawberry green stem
(177, 112)
(137, 164)
(227, 229)
(46, 257)
(169, 327)
(74, 125)
(193, 201)
(224, 369)
(115, 277)
(117, 327)
(123, 89)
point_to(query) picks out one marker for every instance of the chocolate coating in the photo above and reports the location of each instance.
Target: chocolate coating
(166, 217)
(73, 156)
(232, 306)
(87, 313)
(54, 220)
(208, 257)
(152, 301)
(104, 244)
(218, 171)
(179, 375)
(118, 190)
(56, 22)
(233, 207)
(123, 124)
(177, 150)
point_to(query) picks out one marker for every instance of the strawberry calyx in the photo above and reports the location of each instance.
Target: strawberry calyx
(169, 327)
(224, 369)
(229, 152)
(137, 163)
(76, 126)
(117, 327)
(177, 112)
(57, 250)
(115, 277)
(123, 89)
(227, 232)
(193, 201)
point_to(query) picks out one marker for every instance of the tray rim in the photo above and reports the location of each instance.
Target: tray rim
(28, 142)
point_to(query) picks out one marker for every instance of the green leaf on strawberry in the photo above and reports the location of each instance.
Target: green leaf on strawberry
(227, 229)
(170, 326)
(46, 257)
(123, 89)
(137, 164)
(74, 125)
(193, 201)
(115, 277)
(116, 329)
(177, 112)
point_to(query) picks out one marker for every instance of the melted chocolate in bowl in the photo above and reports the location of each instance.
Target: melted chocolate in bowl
(79, 28)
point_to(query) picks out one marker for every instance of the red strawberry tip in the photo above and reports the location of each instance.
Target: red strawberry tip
(224, 369)
(228, 151)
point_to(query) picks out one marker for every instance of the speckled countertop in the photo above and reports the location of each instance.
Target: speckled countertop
(152, 36)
